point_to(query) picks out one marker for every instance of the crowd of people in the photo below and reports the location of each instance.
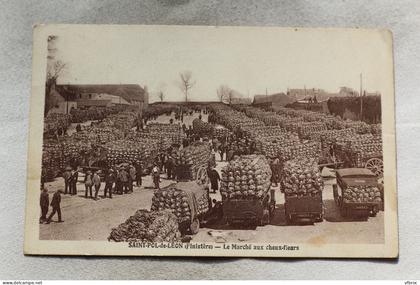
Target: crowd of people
(120, 179)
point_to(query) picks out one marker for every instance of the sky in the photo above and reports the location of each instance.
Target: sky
(247, 59)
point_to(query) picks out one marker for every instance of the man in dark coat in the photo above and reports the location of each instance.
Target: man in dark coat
(109, 182)
(139, 172)
(124, 177)
(169, 167)
(118, 182)
(214, 179)
(55, 204)
(222, 149)
(156, 176)
(67, 180)
(132, 177)
(73, 182)
(44, 202)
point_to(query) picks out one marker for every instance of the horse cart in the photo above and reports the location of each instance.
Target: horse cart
(337, 158)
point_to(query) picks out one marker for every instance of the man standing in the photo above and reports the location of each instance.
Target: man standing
(276, 170)
(132, 178)
(169, 166)
(139, 172)
(88, 184)
(55, 204)
(44, 202)
(109, 182)
(73, 182)
(214, 179)
(124, 180)
(67, 180)
(97, 183)
(222, 149)
(118, 182)
(156, 176)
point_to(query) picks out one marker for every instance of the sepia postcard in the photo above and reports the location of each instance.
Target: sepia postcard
(211, 141)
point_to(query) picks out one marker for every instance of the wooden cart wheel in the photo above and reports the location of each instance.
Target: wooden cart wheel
(201, 176)
(194, 227)
(376, 165)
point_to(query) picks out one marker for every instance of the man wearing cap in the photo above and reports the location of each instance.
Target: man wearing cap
(109, 182)
(55, 204)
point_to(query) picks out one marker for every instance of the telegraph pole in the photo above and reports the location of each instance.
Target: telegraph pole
(361, 96)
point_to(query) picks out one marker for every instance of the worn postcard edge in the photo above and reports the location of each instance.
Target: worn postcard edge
(34, 246)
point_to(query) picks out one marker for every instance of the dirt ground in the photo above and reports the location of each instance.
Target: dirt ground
(87, 219)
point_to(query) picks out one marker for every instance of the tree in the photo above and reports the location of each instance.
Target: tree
(230, 96)
(54, 69)
(222, 92)
(161, 96)
(225, 94)
(186, 83)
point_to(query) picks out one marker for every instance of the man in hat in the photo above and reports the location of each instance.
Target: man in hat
(73, 181)
(88, 183)
(67, 180)
(170, 166)
(139, 172)
(118, 182)
(214, 179)
(276, 170)
(132, 177)
(44, 202)
(55, 204)
(124, 176)
(96, 183)
(156, 176)
(109, 182)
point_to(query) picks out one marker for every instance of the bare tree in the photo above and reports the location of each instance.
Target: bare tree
(222, 92)
(225, 94)
(54, 69)
(186, 83)
(161, 96)
(230, 96)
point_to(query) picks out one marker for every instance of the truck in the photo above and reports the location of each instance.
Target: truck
(358, 208)
(303, 208)
(249, 212)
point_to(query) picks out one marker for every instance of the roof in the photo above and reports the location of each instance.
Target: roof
(355, 172)
(356, 177)
(347, 172)
(130, 92)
